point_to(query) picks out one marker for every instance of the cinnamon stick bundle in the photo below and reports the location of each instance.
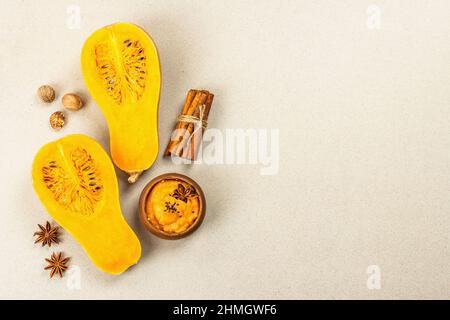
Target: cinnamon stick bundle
(188, 133)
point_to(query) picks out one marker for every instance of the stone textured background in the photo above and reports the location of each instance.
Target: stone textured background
(364, 174)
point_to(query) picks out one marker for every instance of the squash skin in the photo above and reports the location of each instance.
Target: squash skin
(102, 231)
(133, 123)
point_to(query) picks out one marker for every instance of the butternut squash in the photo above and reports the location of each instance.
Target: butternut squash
(120, 66)
(76, 182)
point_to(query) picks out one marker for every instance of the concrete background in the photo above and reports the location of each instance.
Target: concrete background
(360, 95)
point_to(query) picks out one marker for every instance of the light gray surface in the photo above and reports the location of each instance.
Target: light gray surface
(364, 147)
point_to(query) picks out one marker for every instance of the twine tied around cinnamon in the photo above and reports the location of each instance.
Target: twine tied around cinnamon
(199, 121)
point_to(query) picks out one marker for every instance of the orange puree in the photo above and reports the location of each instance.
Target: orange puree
(172, 206)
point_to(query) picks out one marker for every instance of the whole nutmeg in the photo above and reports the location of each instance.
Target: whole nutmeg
(57, 120)
(46, 93)
(71, 101)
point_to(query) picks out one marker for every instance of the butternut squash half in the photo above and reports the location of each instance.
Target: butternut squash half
(76, 182)
(120, 66)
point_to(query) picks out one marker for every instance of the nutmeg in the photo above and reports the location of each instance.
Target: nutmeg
(46, 93)
(57, 120)
(72, 101)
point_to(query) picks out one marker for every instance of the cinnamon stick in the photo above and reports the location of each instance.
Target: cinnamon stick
(182, 148)
(196, 139)
(184, 143)
(187, 110)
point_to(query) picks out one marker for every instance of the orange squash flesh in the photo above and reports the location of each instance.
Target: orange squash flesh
(76, 182)
(121, 69)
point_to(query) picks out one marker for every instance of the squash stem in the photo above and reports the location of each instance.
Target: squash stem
(134, 176)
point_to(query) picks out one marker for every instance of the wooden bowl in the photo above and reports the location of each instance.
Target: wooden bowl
(143, 200)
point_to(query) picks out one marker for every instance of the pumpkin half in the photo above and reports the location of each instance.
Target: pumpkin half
(120, 66)
(76, 182)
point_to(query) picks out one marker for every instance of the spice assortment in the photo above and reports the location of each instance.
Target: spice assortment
(57, 120)
(192, 122)
(57, 264)
(46, 93)
(47, 235)
(72, 101)
(75, 178)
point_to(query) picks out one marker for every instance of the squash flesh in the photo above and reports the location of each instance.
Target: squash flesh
(75, 180)
(121, 69)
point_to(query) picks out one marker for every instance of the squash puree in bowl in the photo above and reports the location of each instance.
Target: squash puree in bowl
(172, 206)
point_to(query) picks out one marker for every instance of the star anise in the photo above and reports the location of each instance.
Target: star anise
(182, 193)
(57, 264)
(170, 207)
(47, 235)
